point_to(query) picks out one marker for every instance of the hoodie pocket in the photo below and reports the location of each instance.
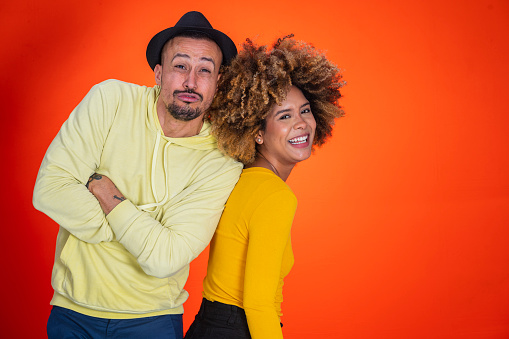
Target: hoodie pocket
(68, 250)
(66, 257)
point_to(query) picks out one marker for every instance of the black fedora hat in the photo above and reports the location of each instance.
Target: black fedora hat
(190, 22)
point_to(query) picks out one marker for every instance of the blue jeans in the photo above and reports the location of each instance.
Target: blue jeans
(66, 324)
(216, 320)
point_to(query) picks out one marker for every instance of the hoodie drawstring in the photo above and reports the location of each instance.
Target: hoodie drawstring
(156, 204)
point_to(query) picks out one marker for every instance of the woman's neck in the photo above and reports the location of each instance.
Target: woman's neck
(262, 161)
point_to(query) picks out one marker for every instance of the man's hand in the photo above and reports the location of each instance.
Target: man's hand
(105, 191)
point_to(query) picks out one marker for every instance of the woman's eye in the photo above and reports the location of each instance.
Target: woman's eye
(284, 116)
(306, 110)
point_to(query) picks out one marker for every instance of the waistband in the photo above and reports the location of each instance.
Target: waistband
(219, 311)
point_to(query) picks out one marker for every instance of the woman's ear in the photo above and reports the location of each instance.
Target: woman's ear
(259, 137)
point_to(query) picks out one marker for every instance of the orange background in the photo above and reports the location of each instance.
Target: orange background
(402, 227)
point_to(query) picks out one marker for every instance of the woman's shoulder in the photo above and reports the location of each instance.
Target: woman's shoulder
(264, 184)
(264, 177)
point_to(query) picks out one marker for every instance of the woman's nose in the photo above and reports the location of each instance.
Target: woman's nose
(300, 123)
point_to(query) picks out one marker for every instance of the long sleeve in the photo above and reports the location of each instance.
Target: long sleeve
(163, 248)
(269, 236)
(71, 158)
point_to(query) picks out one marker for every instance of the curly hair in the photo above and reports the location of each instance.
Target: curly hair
(259, 78)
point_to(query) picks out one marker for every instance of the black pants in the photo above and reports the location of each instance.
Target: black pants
(216, 320)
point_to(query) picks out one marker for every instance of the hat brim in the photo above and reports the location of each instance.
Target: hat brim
(156, 44)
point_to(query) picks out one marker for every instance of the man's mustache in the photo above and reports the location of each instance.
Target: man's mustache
(190, 91)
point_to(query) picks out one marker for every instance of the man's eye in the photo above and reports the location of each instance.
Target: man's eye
(180, 66)
(205, 70)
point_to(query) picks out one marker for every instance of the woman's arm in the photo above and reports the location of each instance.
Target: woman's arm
(269, 234)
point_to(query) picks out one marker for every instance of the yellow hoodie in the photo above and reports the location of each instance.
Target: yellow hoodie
(135, 261)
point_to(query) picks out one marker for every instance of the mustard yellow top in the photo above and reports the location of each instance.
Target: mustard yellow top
(251, 251)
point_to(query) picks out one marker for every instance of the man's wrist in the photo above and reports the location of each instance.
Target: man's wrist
(93, 177)
(111, 203)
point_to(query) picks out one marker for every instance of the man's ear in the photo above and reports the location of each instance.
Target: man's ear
(158, 71)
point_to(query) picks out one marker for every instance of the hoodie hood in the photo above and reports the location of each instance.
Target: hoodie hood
(202, 141)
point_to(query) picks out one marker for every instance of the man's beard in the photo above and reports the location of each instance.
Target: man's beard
(183, 113)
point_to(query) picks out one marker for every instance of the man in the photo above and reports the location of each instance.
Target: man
(158, 185)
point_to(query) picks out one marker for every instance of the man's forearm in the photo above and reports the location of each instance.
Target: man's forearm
(105, 191)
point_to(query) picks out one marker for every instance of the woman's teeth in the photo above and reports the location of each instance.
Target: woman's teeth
(298, 140)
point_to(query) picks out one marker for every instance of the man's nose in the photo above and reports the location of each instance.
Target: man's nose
(190, 81)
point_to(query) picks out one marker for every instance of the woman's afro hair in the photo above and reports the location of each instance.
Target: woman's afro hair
(259, 78)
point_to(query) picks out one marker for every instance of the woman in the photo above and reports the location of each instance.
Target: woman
(271, 107)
